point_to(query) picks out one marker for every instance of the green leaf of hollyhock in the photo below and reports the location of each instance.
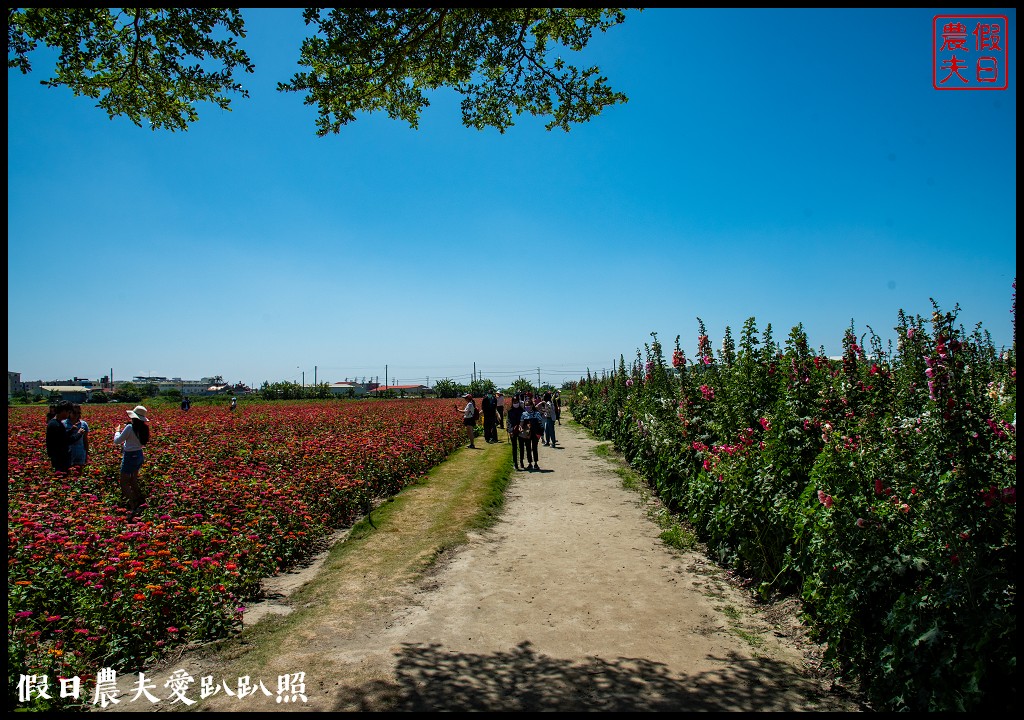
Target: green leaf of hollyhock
(929, 637)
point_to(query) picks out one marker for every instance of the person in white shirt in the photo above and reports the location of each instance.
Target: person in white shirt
(469, 418)
(134, 436)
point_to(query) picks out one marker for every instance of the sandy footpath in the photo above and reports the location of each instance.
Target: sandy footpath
(570, 602)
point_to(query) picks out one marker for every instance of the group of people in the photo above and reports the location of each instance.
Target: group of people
(530, 418)
(67, 446)
(67, 436)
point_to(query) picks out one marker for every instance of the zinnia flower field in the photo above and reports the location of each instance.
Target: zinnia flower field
(879, 487)
(232, 498)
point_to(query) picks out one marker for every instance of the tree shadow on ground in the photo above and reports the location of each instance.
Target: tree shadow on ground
(521, 680)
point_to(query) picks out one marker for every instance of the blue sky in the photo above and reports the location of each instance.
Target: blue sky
(794, 166)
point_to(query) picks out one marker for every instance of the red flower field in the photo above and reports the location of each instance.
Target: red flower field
(232, 498)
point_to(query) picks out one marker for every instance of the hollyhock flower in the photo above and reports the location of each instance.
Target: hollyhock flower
(910, 333)
(996, 429)
(765, 424)
(861, 522)
(629, 382)
(990, 496)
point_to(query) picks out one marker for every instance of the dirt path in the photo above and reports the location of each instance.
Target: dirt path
(570, 602)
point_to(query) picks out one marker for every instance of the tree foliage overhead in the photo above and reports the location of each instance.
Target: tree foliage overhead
(364, 59)
(155, 64)
(135, 61)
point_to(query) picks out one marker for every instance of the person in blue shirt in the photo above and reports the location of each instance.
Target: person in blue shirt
(59, 437)
(79, 447)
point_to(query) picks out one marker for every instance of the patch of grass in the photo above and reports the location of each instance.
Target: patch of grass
(678, 537)
(630, 480)
(752, 639)
(730, 612)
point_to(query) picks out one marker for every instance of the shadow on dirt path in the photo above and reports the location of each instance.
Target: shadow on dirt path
(522, 680)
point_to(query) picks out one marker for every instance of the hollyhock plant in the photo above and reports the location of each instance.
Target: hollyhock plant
(919, 443)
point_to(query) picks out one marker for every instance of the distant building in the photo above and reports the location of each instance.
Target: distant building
(348, 389)
(71, 393)
(403, 390)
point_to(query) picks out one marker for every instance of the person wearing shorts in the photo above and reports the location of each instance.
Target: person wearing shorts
(469, 418)
(134, 436)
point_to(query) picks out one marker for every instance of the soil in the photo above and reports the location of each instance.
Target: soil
(570, 601)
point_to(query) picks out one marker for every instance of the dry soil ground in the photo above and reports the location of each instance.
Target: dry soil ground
(570, 601)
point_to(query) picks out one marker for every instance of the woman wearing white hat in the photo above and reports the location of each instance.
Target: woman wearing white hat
(469, 415)
(131, 439)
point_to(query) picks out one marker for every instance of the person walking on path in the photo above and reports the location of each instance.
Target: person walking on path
(515, 413)
(548, 411)
(534, 421)
(499, 406)
(132, 439)
(79, 447)
(59, 437)
(490, 419)
(234, 404)
(469, 415)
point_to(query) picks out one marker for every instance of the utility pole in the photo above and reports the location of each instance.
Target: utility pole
(314, 375)
(385, 375)
(538, 378)
(474, 373)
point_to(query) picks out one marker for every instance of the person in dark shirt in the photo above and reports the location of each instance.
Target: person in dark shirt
(518, 444)
(59, 437)
(490, 419)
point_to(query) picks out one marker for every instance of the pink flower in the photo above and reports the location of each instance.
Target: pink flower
(824, 499)
(910, 333)
(629, 382)
(861, 522)
(765, 424)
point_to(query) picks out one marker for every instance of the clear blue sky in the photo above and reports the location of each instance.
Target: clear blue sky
(794, 166)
